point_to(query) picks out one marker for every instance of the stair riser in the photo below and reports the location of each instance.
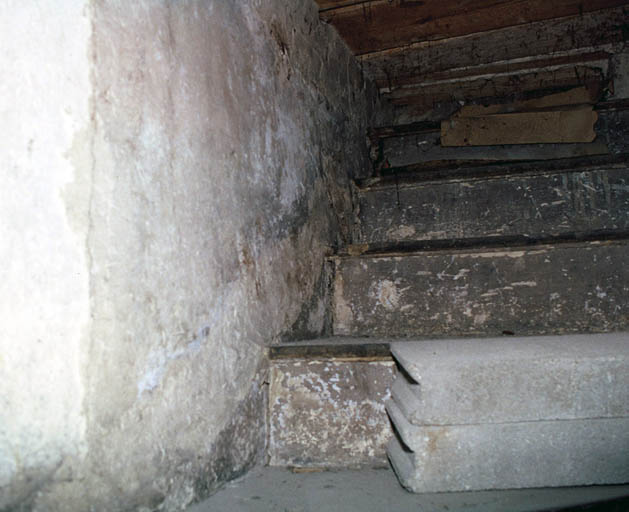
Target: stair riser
(543, 290)
(329, 414)
(533, 206)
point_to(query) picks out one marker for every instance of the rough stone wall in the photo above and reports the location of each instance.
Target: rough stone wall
(217, 165)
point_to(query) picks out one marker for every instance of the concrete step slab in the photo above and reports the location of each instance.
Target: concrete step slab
(544, 289)
(530, 205)
(463, 381)
(509, 455)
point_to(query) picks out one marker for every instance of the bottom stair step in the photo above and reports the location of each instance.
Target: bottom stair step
(511, 455)
(511, 413)
(327, 403)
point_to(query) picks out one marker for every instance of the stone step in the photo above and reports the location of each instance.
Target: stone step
(497, 380)
(535, 290)
(509, 455)
(327, 403)
(529, 200)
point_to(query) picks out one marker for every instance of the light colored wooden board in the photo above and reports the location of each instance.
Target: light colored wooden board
(566, 126)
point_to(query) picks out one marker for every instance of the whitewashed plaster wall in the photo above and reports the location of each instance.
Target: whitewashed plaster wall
(189, 171)
(44, 266)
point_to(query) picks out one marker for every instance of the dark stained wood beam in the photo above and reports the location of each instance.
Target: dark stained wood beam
(418, 103)
(549, 39)
(377, 25)
(335, 4)
(512, 67)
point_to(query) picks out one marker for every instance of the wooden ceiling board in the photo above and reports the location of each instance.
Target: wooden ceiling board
(598, 59)
(378, 25)
(552, 38)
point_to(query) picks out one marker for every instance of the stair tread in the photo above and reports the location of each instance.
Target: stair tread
(499, 243)
(512, 455)
(422, 356)
(513, 379)
(334, 347)
(571, 287)
(426, 172)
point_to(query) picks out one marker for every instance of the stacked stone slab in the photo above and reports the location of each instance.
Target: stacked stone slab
(500, 413)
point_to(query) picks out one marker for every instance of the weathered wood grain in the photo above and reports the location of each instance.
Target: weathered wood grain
(378, 25)
(535, 40)
(584, 57)
(560, 127)
(540, 290)
(335, 4)
(570, 201)
(333, 349)
(577, 96)
(440, 100)
(408, 150)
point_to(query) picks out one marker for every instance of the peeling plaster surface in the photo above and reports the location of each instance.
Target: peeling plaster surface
(329, 414)
(44, 294)
(216, 178)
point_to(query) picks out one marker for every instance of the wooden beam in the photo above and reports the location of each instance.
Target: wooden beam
(434, 102)
(565, 126)
(383, 24)
(325, 5)
(577, 96)
(367, 351)
(509, 67)
(549, 39)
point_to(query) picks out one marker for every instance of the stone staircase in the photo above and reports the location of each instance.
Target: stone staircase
(492, 284)
(507, 413)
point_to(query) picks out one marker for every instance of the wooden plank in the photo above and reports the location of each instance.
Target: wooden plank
(421, 211)
(379, 25)
(429, 173)
(577, 96)
(426, 149)
(563, 126)
(542, 40)
(511, 67)
(439, 101)
(524, 290)
(342, 351)
(335, 4)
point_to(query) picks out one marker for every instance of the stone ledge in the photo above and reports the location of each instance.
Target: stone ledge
(464, 381)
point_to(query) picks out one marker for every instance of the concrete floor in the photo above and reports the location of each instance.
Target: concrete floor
(372, 490)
